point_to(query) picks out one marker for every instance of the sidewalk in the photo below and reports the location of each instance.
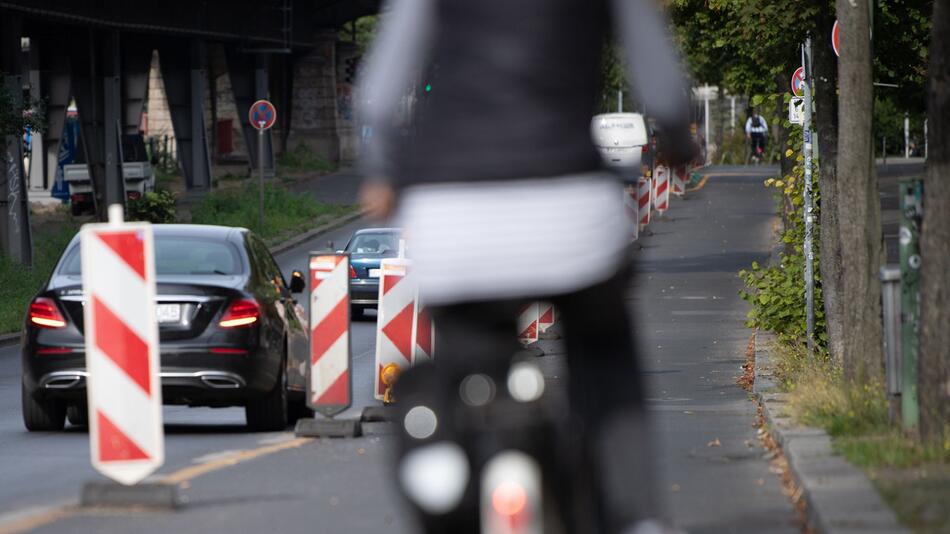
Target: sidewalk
(692, 338)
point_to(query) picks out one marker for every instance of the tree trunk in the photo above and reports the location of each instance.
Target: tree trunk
(826, 123)
(859, 210)
(934, 355)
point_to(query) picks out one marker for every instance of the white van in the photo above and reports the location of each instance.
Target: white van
(620, 138)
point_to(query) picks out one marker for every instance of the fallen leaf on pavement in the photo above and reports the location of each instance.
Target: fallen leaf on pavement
(714, 443)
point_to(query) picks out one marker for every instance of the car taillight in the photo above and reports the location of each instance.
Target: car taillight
(352, 272)
(242, 312)
(44, 313)
(645, 148)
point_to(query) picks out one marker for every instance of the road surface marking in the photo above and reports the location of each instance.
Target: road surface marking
(24, 523)
(34, 518)
(228, 460)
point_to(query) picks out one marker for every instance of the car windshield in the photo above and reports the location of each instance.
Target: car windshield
(179, 255)
(373, 244)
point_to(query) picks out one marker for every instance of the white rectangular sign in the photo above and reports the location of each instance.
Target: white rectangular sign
(796, 110)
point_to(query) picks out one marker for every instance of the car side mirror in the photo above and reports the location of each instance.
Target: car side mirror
(297, 282)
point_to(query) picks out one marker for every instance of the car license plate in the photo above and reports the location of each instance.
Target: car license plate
(168, 313)
(374, 273)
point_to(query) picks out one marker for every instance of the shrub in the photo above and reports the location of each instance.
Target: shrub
(284, 212)
(156, 207)
(302, 158)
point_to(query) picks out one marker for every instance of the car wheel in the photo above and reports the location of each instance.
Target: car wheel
(42, 415)
(78, 414)
(75, 208)
(269, 413)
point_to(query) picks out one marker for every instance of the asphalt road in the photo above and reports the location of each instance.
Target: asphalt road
(689, 324)
(43, 469)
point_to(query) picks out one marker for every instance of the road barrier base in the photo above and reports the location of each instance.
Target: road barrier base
(549, 335)
(529, 352)
(328, 428)
(378, 414)
(99, 493)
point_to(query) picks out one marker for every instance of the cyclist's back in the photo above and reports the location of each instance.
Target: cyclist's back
(503, 199)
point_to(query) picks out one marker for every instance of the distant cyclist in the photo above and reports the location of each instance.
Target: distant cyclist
(757, 131)
(504, 200)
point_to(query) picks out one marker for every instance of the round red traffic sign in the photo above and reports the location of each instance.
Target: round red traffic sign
(262, 115)
(798, 82)
(834, 38)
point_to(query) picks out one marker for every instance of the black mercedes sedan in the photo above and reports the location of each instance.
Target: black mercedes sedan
(230, 331)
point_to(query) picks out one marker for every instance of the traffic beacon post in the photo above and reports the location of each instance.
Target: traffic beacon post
(262, 117)
(329, 379)
(124, 390)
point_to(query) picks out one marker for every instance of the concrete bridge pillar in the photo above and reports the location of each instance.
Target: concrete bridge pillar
(315, 98)
(249, 75)
(15, 237)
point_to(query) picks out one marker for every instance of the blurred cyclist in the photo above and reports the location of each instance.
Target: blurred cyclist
(504, 200)
(756, 130)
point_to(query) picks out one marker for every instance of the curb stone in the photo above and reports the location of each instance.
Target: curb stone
(840, 499)
(9, 339)
(310, 234)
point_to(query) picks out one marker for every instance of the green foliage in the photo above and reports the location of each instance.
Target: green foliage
(741, 45)
(901, 55)
(302, 158)
(285, 213)
(611, 77)
(19, 284)
(777, 292)
(15, 119)
(156, 207)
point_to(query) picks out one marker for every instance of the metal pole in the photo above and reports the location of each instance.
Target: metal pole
(891, 311)
(926, 139)
(911, 192)
(906, 136)
(706, 119)
(619, 100)
(809, 217)
(260, 177)
(732, 116)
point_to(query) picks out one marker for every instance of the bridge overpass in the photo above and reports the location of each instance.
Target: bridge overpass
(98, 52)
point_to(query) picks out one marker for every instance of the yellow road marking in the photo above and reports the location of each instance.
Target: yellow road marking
(182, 476)
(37, 520)
(195, 471)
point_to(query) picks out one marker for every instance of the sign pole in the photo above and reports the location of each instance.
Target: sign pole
(809, 216)
(262, 117)
(260, 180)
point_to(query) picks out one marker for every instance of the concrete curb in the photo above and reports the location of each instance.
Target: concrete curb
(324, 228)
(9, 339)
(839, 497)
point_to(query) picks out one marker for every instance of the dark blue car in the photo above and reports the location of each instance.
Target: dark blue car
(366, 248)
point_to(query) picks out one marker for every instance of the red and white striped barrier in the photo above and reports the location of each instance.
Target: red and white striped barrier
(631, 205)
(546, 317)
(329, 381)
(662, 195)
(528, 317)
(645, 194)
(122, 356)
(423, 334)
(680, 178)
(396, 319)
